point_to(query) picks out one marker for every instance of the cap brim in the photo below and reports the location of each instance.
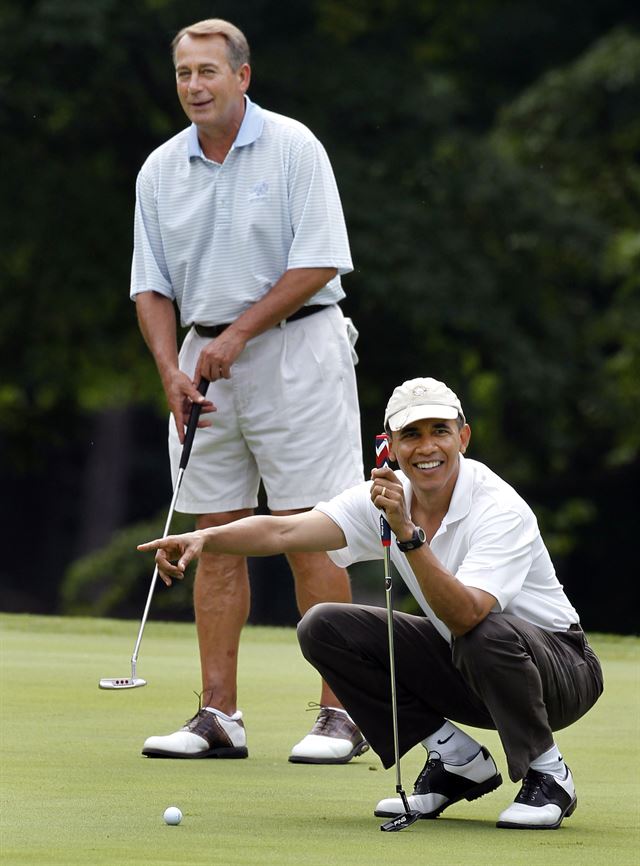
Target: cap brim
(419, 413)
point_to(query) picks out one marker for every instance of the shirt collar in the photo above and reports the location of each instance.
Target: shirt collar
(460, 504)
(250, 130)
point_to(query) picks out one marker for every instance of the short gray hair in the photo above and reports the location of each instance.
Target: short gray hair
(237, 46)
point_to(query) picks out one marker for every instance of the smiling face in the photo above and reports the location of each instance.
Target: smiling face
(211, 93)
(427, 452)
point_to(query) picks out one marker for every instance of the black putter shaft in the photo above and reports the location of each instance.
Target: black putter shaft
(192, 425)
(409, 816)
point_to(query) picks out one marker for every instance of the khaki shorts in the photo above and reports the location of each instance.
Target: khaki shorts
(288, 415)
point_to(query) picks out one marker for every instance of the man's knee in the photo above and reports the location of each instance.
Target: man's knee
(318, 625)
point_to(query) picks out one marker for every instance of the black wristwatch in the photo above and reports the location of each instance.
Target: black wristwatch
(417, 540)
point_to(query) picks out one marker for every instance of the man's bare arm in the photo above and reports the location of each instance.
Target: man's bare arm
(307, 531)
(292, 290)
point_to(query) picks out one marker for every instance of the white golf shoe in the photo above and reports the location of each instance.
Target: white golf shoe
(334, 739)
(542, 802)
(206, 735)
(440, 785)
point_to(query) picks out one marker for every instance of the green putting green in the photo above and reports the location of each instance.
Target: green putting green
(75, 789)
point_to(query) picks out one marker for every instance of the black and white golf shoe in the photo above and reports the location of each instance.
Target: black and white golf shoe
(542, 802)
(440, 784)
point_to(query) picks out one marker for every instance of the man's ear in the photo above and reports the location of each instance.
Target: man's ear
(244, 77)
(465, 438)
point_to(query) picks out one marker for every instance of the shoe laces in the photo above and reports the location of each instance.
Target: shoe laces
(324, 717)
(432, 759)
(531, 785)
(199, 710)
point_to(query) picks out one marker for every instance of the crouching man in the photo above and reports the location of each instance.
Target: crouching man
(499, 647)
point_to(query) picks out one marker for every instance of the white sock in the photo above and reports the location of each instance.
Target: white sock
(551, 762)
(234, 718)
(452, 744)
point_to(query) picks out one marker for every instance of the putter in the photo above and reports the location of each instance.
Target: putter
(134, 682)
(409, 816)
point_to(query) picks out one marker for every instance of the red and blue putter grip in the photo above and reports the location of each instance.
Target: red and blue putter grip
(382, 459)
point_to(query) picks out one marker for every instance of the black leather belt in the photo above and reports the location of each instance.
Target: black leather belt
(302, 313)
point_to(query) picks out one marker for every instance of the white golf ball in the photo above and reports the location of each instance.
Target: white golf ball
(172, 815)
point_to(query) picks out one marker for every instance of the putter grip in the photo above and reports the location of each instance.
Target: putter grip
(192, 424)
(382, 459)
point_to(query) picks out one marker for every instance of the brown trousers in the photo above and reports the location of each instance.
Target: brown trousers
(506, 675)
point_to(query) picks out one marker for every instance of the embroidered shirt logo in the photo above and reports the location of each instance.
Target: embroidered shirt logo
(259, 190)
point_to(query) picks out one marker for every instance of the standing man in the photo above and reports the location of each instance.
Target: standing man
(239, 223)
(500, 645)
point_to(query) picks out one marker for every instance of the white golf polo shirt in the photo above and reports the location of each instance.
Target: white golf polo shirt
(216, 238)
(489, 539)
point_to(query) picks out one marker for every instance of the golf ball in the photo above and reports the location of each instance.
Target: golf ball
(172, 815)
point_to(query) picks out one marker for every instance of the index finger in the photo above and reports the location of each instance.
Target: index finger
(384, 472)
(150, 545)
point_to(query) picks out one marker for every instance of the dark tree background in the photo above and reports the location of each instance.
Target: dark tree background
(488, 157)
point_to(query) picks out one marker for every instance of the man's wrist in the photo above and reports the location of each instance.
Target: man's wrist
(413, 541)
(406, 533)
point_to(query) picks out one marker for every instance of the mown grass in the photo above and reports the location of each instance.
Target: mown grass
(75, 789)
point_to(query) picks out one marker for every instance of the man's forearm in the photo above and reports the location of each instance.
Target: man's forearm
(292, 291)
(157, 321)
(460, 607)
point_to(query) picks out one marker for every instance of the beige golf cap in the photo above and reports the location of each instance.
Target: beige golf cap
(417, 399)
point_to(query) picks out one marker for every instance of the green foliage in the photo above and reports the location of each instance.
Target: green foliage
(619, 331)
(115, 580)
(580, 125)
(486, 155)
(88, 92)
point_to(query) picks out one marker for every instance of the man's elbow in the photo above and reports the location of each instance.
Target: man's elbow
(468, 622)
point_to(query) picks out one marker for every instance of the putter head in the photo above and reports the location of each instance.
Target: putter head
(121, 683)
(400, 822)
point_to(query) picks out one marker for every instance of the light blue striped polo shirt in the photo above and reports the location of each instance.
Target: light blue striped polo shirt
(217, 237)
